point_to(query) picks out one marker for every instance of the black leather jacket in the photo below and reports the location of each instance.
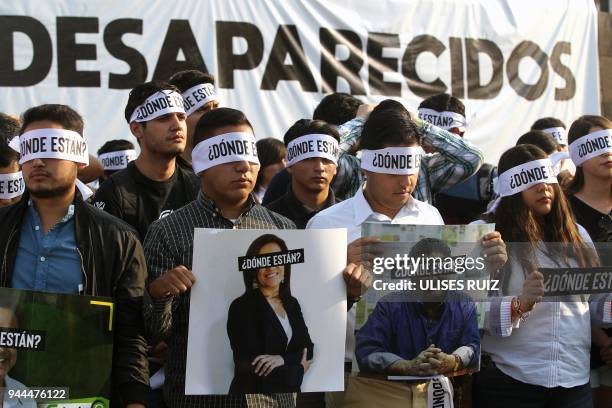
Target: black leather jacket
(113, 265)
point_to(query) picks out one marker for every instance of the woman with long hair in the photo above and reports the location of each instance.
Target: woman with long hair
(269, 338)
(590, 195)
(535, 354)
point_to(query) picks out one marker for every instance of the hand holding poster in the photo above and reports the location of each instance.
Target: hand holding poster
(268, 313)
(55, 349)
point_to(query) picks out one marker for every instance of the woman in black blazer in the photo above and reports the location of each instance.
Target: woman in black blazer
(268, 335)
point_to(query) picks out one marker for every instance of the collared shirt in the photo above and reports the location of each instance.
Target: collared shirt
(169, 243)
(12, 384)
(454, 160)
(399, 329)
(289, 206)
(551, 348)
(351, 213)
(48, 262)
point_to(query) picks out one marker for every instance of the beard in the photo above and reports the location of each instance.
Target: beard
(51, 191)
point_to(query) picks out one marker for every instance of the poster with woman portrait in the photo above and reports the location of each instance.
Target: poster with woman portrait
(267, 312)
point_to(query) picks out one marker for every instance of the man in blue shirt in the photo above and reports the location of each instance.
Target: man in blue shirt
(53, 241)
(408, 337)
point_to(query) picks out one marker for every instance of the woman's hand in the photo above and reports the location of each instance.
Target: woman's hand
(305, 363)
(265, 363)
(494, 250)
(533, 291)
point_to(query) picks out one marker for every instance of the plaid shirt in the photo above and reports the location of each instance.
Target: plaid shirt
(454, 160)
(169, 243)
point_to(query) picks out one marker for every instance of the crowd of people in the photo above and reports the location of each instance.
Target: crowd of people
(122, 225)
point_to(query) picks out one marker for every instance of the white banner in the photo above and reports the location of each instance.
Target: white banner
(511, 62)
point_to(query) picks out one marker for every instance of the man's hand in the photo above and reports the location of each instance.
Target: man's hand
(361, 250)
(173, 282)
(265, 363)
(305, 363)
(533, 290)
(444, 363)
(159, 351)
(422, 365)
(358, 280)
(364, 110)
(494, 250)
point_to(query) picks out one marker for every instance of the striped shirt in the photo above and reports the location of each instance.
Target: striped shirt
(454, 160)
(169, 243)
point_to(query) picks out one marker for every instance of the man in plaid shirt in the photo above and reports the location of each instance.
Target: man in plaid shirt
(452, 161)
(225, 201)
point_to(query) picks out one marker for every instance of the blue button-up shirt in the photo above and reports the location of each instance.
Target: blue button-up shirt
(48, 262)
(398, 329)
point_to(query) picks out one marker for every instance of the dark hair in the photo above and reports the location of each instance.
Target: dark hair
(547, 123)
(337, 108)
(389, 127)
(115, 145)
(443, 103)
(306, 126)
(250, 275)
(582, 127)
(390, 104)
(430, 246)
(516, 223)
(140, 94)
(541, 139)
(184, 80)
(270, 151)
(8, 156)
(9, 127)
(63, 115)
(215, 119)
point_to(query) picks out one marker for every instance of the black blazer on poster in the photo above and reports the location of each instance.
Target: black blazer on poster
(254, 329)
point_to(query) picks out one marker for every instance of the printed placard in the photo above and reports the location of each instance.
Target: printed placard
(52, 341)
(291, 310)
(576, 281)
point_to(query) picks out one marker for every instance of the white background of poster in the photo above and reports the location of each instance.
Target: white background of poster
(317, 284)
(495, 123)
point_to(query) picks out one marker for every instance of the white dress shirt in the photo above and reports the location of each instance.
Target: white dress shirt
(350, 214)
